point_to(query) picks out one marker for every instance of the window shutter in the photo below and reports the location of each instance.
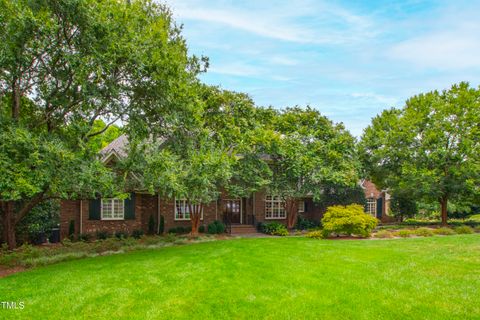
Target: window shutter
(379, 207)
(130, 207)
(305, 208)
(94, 209)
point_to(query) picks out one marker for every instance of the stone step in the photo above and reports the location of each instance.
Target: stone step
(243, 229)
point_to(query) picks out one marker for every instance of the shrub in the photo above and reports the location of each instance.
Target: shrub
(84, 237)
(305, 224)
(444, 231)
(102, 235)
(275, 228)
(216, 227)
(403, 233)
(464, 230)
(151, 225)
(383, 234)
(170, 237)
(424, 232)
(350, 220)
(137, 234)
(317, 234)
(121, 235)
(201, 229)
(161, 228)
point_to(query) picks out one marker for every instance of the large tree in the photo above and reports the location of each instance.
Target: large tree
(429, 149)
(65, 64)
(309, 154)
(217, 150)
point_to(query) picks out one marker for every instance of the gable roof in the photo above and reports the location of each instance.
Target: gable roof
(115, 148)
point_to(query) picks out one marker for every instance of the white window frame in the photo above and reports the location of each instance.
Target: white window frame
(186, 208)
(372, 206)
(120, 215)
(301, 206)
(276, 203)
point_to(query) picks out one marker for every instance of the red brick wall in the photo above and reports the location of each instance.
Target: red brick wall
(371, 190)
(167, 210)
(69, 210)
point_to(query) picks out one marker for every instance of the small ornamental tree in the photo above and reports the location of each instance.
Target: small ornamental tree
(308, 154)
(349, 220)
(430, 149)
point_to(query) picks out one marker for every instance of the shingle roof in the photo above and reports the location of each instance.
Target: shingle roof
(117, 146)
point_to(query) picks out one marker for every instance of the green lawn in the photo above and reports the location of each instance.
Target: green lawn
(275, 278)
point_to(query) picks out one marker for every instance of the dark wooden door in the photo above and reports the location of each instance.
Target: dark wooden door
(231, 208)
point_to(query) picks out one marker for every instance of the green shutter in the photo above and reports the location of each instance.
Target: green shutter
(94, 209)
(130, 207)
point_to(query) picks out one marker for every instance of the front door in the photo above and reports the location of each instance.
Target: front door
(232, 209)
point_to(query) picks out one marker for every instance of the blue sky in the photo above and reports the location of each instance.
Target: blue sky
(350, 60)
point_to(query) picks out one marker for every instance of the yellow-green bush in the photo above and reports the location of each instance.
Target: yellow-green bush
(403, 233)
(464, 230)
(383, 234)
(349, 220)
(316, 234)
(424, 232)
(444, 231)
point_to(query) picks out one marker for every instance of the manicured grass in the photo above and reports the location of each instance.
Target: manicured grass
(274, 278)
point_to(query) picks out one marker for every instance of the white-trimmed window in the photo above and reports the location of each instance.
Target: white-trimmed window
(182, 210)
(112, 209)
(301, 206)
(372, 206)
(274, 208)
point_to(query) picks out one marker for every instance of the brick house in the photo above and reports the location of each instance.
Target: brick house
(112, 215)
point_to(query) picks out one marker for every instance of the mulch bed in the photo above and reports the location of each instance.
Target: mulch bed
(4, 271)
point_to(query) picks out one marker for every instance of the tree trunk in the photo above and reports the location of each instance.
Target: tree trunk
(9, 225)
(291, 207)
(15, 100)
(444, 205)
(195, 212)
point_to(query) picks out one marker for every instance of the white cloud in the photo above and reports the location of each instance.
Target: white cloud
(284, 21)
(443, 50)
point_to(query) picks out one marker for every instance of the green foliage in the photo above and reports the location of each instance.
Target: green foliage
(102, 235)
(444, 231)
(121, 234)
(341, 195)
(305, 146)
(84, 237)
(305, 224)
(100, 141)
(41, 220)
(179, 230)
(423, 232)
(62, 65)
(201, 229)
(151, 225)
(161, 228)
(275, 228)
(216, 227)
(349, 220)
(316, 234)
(137, 234)
(383, 234)
(403, 206)
(463, 230)
(430, 148)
